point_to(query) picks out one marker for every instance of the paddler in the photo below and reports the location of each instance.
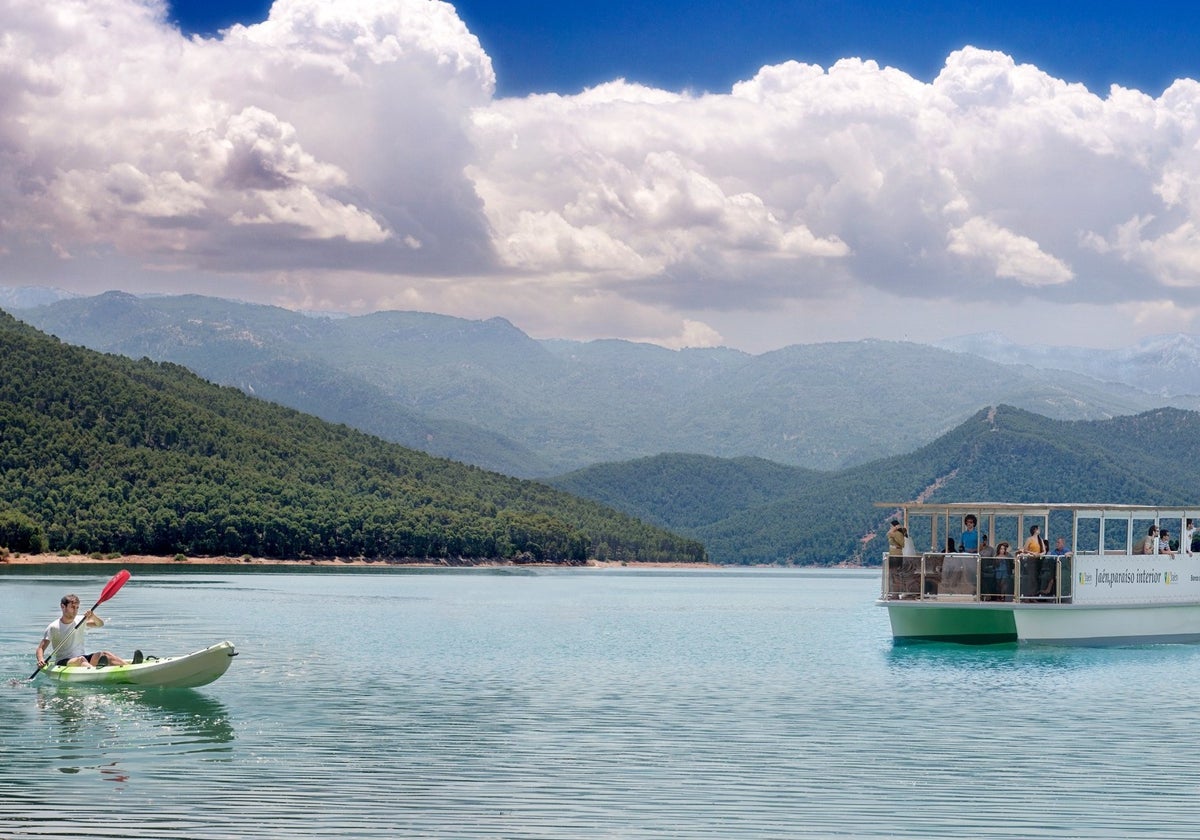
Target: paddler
(66, 642)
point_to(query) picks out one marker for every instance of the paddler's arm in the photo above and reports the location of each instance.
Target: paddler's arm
(40, 653)
(92, 619)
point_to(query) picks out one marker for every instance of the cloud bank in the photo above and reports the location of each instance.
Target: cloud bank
(353, 156)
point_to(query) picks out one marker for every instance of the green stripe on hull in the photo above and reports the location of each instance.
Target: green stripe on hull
(935, 623)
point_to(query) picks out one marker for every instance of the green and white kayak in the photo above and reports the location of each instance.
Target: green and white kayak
(187, 671)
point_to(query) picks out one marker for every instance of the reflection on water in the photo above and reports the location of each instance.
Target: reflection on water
(945, 653)
(82, 744)
(1020, 658)
(81, 721)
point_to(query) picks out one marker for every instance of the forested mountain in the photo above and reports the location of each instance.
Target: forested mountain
(485, 393)
(749, 511)
(103, 453)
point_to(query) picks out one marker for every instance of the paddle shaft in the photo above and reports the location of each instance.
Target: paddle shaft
(110, 589)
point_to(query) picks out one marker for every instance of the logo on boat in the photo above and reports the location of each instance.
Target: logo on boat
(1120, 577)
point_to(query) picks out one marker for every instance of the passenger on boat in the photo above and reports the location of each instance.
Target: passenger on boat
(970, 535)
(1032, 562)
(1035, 544)
(1191, 542)
(902, 581)
(1150, 544)
(1003, 572)
(958, 573)
(987, 568)
(1164, 543)
(1048, 573)
(895, 537)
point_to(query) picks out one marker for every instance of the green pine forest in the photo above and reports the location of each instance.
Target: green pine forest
(750, 511)
(100, 453)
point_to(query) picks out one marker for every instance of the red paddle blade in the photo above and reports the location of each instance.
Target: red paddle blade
(110, 589)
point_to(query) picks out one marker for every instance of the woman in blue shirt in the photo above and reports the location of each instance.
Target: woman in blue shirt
(969, 542)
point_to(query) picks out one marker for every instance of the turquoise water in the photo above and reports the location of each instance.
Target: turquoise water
(580, 704)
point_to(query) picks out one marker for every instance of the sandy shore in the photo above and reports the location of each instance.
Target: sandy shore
(147, 559)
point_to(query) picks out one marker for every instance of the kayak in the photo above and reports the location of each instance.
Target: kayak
(187, 671)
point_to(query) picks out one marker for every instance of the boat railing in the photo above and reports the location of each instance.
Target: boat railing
(969, 577)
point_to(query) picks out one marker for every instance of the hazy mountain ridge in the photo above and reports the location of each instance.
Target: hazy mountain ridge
(1163, 364)
(25, 297)
(758, 512)
(261, 350)
(485, 393)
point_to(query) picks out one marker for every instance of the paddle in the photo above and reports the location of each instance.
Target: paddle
(110, 589)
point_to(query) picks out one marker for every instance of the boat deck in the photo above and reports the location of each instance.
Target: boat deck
(971, 578)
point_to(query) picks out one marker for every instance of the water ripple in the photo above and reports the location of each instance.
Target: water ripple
(586, 705)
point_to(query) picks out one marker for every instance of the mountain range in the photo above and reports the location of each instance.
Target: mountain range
(485, 393)
(110, 451)
(753, 511)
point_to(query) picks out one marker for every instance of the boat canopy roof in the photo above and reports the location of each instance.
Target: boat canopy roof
(1043, 509)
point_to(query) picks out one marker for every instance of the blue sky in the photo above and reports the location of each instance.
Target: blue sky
(698, 173)
(556, 46)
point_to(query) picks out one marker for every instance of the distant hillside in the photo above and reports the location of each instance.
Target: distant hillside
(102, 453)
(763, 513)
(690, 491)
(485, 393)
(26, 297)
(1163, 364)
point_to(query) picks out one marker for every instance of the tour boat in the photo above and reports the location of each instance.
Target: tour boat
(187, 671)
(1103, 576)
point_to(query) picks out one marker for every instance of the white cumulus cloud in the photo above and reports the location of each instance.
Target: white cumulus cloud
(340, 123)
(354, 154)
(1007, 254)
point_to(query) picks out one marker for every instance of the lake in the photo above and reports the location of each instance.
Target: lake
(375, 703)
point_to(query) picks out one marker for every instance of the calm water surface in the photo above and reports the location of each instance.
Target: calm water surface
(582, 704)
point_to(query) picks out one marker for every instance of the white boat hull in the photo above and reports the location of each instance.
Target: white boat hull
(1108, 625)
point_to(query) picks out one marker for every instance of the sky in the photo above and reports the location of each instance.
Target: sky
(705, 173)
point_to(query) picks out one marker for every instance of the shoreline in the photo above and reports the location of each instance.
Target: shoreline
(336, 562)
(362, 562)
